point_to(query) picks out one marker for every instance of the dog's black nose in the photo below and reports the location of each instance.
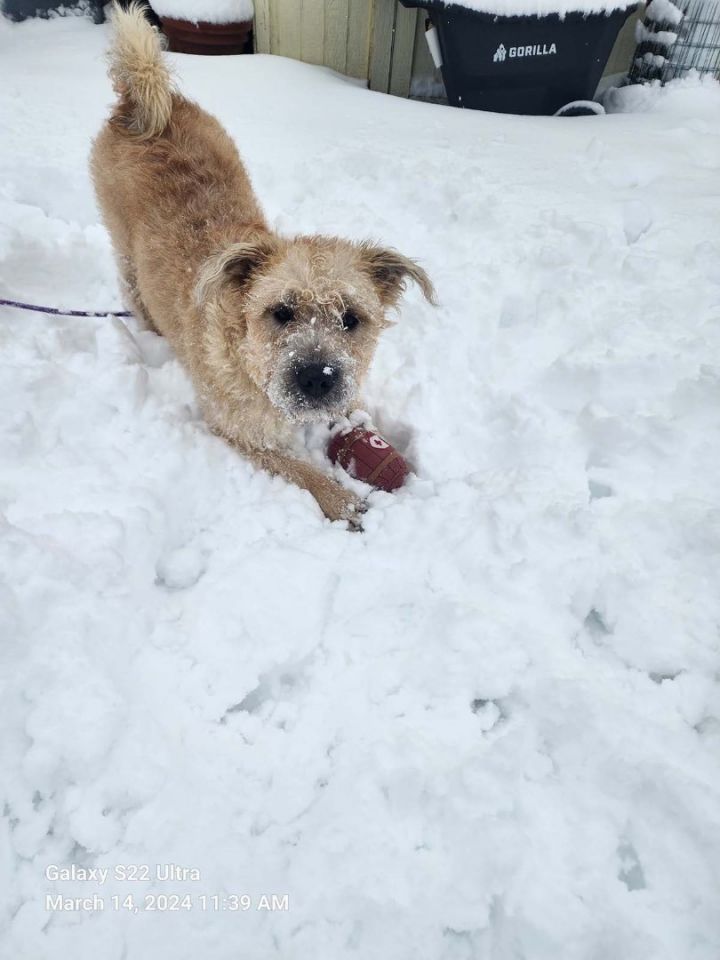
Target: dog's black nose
(316, 380)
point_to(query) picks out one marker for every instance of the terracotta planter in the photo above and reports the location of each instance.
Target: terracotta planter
(208, 39)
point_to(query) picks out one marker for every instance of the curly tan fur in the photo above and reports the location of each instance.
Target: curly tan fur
(245, 310)
(140, 74)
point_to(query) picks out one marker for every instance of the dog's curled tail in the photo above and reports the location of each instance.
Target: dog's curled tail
(139, 74)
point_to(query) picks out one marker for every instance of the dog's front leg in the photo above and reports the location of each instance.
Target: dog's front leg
(334, 500)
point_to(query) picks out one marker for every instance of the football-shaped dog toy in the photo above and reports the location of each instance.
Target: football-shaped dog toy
(367, 456)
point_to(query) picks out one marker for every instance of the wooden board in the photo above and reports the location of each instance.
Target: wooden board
(312, 31)
(358, 38)
(336, 33)
(381, 44)
(285, 28)
(402, 53)
(262, 26)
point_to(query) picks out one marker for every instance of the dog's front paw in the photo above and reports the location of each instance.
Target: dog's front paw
(337, 503)
(355, 515)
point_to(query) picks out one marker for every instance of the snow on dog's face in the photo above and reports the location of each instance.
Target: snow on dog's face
(303, 316)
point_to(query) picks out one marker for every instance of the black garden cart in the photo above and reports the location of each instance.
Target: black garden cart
(522, 64)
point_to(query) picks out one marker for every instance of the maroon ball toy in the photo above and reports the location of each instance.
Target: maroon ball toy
(367, 456)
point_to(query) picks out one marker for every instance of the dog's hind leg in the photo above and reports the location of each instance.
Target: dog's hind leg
(131, 294)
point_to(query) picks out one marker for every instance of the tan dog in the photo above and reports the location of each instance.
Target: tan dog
(273, 331)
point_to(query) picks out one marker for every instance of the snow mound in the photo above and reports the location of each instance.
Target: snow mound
(205, 11)
(691, 98)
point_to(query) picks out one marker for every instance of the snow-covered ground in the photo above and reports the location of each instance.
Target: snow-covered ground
(487, 727)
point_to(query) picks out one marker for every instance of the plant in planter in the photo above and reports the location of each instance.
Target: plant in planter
(206, 26)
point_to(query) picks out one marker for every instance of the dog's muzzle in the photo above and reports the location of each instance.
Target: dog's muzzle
(311, 380)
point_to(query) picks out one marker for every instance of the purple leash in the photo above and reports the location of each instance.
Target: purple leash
(64, 313)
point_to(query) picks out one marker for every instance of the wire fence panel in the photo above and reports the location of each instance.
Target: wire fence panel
(698, 44)
(675, 38)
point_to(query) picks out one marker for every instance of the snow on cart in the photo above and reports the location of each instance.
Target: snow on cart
(524, 56)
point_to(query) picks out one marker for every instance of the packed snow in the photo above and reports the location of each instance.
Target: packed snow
(664, 11)
(205, 11)
(536, 8)
(655, 36)
(486, 727)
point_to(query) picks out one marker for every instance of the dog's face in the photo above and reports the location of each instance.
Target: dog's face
(303, 316)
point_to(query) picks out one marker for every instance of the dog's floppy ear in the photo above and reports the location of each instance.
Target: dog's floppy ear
(390, 272)
(235, 263)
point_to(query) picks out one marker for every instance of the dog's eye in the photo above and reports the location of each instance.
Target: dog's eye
(350, 321)
(283, 313)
